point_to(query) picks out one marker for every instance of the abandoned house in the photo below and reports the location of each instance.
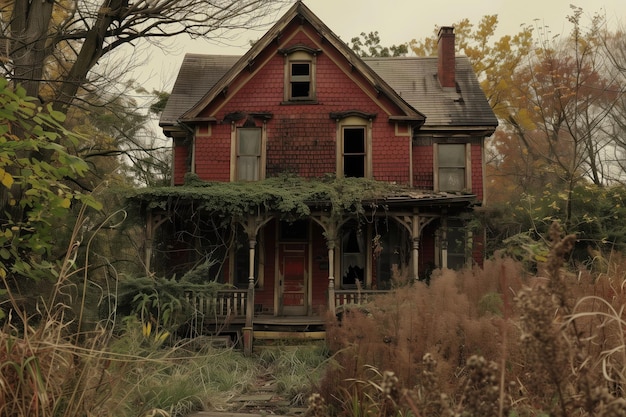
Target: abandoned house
(307, 177)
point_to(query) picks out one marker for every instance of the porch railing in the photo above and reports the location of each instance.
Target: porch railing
(219, 304)
(233, 303)
(345, 297)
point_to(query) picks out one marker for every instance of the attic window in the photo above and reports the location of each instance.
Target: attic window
(299, 77)
(300, 80)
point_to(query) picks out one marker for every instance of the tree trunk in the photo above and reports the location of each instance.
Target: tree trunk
(90, 52)
(29, 29)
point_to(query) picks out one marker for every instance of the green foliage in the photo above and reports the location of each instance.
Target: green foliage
(295, 369)
(35, 194)
(161, 98)
(595, 214)
(290, 195)
(491, 303)
(161, 304)
(369, 45)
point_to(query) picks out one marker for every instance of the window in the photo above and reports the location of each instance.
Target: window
(249, 150)
(300, 80)
(300, 64)
(452, 173)
(354, 152)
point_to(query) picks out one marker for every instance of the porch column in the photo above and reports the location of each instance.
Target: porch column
(250, 309)
(251, 224)
(444, 244)
(248, 329)
(415, 239)
(331, 275)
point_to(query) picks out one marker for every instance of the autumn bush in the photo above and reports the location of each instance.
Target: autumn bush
(490, 341)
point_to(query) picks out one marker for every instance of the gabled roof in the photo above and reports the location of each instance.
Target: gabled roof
(190, 78)
(410, 82)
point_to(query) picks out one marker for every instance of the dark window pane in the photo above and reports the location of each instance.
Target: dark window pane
(354, 166)
(300, 69)
(300, 89)
(353, 140)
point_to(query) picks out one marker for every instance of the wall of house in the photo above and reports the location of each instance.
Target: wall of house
(477, 170)
(423, 163)
(181, 164)
(301, 138)
(212, 152)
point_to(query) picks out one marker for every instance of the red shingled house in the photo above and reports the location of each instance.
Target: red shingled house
(301, 113)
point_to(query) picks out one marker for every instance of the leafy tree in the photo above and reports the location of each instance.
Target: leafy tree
(27, 244)
(558, 100)
(56, 50)
(369, 45)
(493, 61)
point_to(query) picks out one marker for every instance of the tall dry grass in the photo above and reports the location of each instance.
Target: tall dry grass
(54, 362)
(491, 341)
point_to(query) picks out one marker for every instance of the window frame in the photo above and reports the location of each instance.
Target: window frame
(437, 167)
(235, 153)
(354, 122)
(299, 57)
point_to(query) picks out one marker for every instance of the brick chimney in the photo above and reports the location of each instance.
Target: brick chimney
(445, 53)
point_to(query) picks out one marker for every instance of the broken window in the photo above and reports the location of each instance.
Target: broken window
(353, 254)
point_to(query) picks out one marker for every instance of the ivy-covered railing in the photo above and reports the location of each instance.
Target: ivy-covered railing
(231, 303)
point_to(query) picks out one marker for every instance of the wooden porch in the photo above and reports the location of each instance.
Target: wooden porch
(229, 311)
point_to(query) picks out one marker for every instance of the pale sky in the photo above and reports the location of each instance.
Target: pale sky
(397, 21)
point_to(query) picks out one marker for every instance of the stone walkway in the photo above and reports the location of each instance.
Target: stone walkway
(262, 401)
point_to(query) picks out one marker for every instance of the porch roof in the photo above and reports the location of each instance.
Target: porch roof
(298, 197)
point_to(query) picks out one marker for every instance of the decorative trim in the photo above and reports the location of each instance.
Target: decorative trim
(352, 113)
(299, 48)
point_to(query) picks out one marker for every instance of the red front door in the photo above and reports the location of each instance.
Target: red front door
(293, 282)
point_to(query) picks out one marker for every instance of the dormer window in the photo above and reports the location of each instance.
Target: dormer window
(300, 62)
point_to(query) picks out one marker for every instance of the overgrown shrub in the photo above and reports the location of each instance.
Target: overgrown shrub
(485, 342)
